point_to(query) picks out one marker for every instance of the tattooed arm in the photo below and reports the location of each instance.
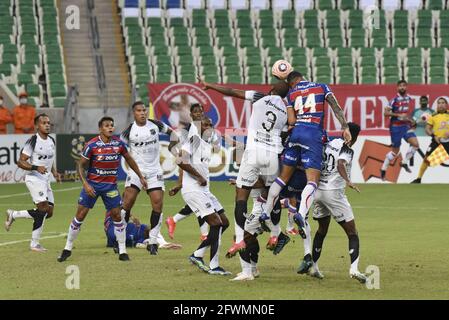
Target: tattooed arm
(340, 116)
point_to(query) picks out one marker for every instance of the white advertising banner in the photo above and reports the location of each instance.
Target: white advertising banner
(10, 147)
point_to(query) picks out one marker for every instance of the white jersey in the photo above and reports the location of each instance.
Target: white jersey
(200, 154)
(268, 119)
(41, 153)
(143, 143)
(330, 177)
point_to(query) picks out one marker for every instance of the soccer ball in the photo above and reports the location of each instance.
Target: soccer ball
(281, 69)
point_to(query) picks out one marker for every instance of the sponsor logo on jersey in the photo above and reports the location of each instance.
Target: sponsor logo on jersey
(105, 172)
(112, 194)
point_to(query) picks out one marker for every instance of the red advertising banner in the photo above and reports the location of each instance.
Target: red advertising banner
(363, 104)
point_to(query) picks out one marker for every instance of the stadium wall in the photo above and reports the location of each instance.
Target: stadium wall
(369, 152)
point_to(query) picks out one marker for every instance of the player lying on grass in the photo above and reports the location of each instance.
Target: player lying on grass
(102, 156)
(264, 145)
(142, 139)
(37, 158)
(438, 128)
(331, 200)
(137, 235)
(194, 161)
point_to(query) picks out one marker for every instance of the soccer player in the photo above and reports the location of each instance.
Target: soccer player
(420, 116)
(194, 161)
(400, 128)
(330, 200)
(37, 157)
(264, 145)
(437, 127)
(142, 138)
(137, 234)
(306, 113)
(102, 156)
(196, 114)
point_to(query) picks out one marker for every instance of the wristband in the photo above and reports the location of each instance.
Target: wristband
(33, 167)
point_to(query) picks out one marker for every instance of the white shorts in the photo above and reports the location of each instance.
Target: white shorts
(155, 179)
(202, 203)
(258, 163)
(40, 190)
(332, 203)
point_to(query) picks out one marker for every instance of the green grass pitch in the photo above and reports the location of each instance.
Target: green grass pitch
(403, 231)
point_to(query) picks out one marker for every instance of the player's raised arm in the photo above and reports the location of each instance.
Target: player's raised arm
(341, 167)
(223, 90)
(338, 111)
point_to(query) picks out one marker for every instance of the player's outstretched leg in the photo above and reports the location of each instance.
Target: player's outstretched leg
(388, 158)
(306, 263)
(74, 230)
(320, 235)
(172, 221)
(354, 245)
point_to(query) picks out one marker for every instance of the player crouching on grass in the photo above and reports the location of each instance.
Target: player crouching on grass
(102, 156)
(194, 161)
(330, 200)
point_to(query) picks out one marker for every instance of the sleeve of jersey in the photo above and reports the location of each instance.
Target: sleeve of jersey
(161, 126)
(192, 144)
(87, 152)
(124, 149)
(27, 149)
(346, 154)
(326, 89)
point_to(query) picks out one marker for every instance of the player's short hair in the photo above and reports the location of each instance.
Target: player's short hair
(280, 88)
(423, 97)
(402, 81)
(196, 105)
(354, 128)
(41, 115)
(104, 119)
(293, 76)
(137, 103)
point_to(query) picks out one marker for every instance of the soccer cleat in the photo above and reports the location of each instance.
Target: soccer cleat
(256, 272)
(293, 232)
(243, 277)
(305, 265)
(199, 262)
(152, 249)
(64, 255)
(299, 220)
(171, 225)
(383, 173)
(360, 277)
(38, 248)
(283, 239)
(236, 247)
(219, 271)
(316, 274)
(9, 219)
(417, 180)
(406, 168)
(123, 257)
(272, 242)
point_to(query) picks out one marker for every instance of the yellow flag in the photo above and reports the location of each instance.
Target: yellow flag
(438, 156)
(150, 111)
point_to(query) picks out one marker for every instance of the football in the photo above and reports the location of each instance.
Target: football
(281, 69)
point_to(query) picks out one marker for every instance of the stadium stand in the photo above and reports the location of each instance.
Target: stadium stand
(333, 41)
(30, 51)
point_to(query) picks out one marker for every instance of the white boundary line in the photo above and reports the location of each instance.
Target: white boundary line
(26, 240)
(27, 193)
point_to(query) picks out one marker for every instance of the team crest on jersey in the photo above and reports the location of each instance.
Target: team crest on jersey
(41, 193)
(208, 205)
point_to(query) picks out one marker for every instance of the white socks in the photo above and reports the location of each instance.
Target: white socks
(120, 235)
(410, 152)
(36, 234)
(307, 241)
(74, 230)
(273, 195)
(354, 266)
(156, 230)
(307, 196)
(22, 214)
(239, 233)
(388, 158)
(178, 217)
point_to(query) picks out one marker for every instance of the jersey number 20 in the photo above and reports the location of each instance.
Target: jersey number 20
(309, 106)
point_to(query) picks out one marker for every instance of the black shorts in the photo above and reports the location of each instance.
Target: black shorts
(433, 145)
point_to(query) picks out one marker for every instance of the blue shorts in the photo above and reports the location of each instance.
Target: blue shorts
(295, 185)
(400, 132)
(108, 192)
(306, 145)
(134, 235)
